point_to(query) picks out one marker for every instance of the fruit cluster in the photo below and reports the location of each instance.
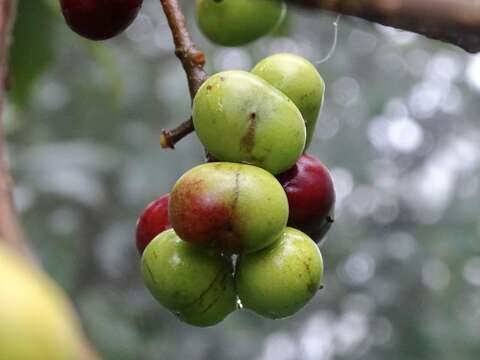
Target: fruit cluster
(257, 125)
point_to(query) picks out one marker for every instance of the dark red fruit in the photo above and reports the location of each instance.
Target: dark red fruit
(152, 222)
(99, 19)
(311, 196)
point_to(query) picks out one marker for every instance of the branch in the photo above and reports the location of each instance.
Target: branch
(10, 231)
(168, 138)
(192, 59)
(453, 21)
(193, 62)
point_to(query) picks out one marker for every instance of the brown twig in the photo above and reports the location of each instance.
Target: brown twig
(168, 138)
(453, 21)
(193, 61)
(10, 231)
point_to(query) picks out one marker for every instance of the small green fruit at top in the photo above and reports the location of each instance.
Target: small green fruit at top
(238, 22)
(195, 284)
(279, 280)
(241, 118)
(297, 78)
(235, 208)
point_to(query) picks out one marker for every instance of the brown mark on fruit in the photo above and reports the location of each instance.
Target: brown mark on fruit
(311, 285)
(248, 140)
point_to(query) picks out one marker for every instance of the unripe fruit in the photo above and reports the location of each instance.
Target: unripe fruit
(237, 22)
(311, 196)
(241, 118)
(297, 78)
(195, 284)
(36, 319)
(279, 280)
(99, 19)
(152, 222)
(233, 207)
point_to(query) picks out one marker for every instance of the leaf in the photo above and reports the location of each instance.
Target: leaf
(32, 47)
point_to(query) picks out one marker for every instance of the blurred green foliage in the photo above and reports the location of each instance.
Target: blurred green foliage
(33, 47)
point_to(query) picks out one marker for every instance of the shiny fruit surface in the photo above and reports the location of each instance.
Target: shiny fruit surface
(152, 221)
(238, 22)
(311, 196)
(99, 19)
(193, 283)
(239, 117)
(279, 280)
(233, 207)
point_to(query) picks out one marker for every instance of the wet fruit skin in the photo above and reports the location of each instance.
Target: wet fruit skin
(152, 221)
(192, 282)
(99, 19)
(237, 22)
(311, 196)
(297, 78)
(279, 280)
(36, 318)
(233, 207)
(239, 117)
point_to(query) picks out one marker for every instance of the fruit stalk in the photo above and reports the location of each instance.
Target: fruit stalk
(193, 61)
(168, 138)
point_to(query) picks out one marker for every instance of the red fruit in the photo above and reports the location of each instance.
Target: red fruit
(99, 19)
(152, 222)
(311, 196)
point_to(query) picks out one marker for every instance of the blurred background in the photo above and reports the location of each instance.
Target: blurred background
(399, 130)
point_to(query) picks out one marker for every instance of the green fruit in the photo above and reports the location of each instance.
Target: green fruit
(278, 281)
(241, 118)
(37, 321)
(233, 207)
(195, 284)
(238, 22)
(297, 78)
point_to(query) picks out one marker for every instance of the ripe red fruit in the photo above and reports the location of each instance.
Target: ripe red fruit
(99, 19)
(311, 196)
(152, 222)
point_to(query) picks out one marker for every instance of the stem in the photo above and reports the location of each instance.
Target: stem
(10, 231)
(193, 61)
(453, 21)
(168, 138)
